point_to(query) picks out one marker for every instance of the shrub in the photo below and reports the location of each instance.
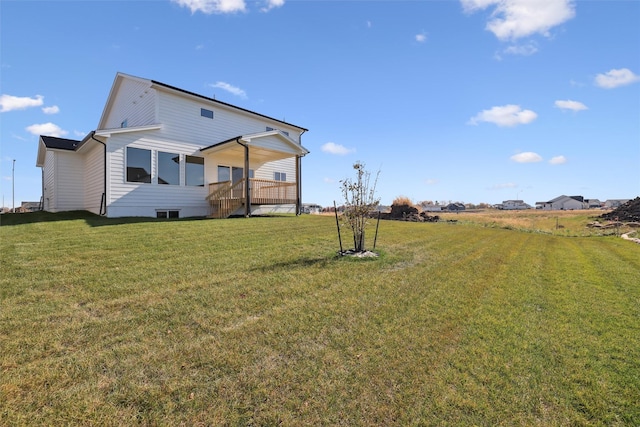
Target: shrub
(359, 201)
(402, 201)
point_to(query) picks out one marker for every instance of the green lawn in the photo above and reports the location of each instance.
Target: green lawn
(257, 322)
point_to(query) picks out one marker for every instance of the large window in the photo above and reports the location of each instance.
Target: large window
(168, 168)
(194, 171)
(138, 165)
(234, 174)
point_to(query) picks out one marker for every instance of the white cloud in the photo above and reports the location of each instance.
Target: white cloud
(504, 116)
(10, 103)
(230, 88)
(48, 129)
(272, 4)
(333, 148)
(431, 181)
(526, 157)
(558, 160)
(213, 6)
(421, 38)
(329, 180)
(79, 133)
(503, 186)
(615, 78)
(526, 49)
(51, 110)
(513, 19)
(570, 105)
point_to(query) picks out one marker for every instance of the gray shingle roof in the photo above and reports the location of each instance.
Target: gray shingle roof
(60, 143)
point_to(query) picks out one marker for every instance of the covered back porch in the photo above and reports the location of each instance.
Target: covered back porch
(239, 170)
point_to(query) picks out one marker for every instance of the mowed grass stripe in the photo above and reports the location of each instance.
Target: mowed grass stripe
(256, 321)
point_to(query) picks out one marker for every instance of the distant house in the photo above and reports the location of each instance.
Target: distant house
(615, 203)
(432, 208)
(514, 205)
(311, 208)
(593, 203)
(563, 203)
(455, 207)
(29, 206)
(160, 151)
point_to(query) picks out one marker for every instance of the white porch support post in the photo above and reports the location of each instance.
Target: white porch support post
(247, 191)
(298, 185)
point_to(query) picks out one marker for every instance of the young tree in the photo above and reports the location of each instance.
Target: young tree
(360, 200)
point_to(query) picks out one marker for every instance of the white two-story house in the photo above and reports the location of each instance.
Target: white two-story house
(160, 151)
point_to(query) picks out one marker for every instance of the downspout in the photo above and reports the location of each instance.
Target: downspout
(247, 191)
(103, 199)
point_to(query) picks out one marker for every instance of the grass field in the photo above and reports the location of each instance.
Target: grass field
(257, 322)
(560, 223)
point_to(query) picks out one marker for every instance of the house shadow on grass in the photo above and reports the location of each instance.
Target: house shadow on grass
(91, 219)
(94, 220)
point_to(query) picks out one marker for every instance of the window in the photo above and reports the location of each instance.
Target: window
(224, 173)
(206, 113)
(138, 165)
(279, 176)
(194, 171)
(168, 168)
(124, 123)
(167, 214)
(234, 174)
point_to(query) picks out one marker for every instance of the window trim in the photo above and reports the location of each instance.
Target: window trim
(158, 167)
(126, 166)
(186, 165)
(170, 213)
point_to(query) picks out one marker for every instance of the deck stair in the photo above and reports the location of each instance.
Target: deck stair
(225, 199)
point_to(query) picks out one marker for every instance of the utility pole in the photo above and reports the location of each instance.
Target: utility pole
(13, 185)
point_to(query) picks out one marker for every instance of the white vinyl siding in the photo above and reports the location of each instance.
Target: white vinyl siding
(181, 121)
(287, 166)
(49, 169)
(93, 178)
(135, 102)
(140, 199)
(274, 143)
(69, 181)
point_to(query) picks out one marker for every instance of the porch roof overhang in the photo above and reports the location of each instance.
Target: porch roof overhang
(264, 146)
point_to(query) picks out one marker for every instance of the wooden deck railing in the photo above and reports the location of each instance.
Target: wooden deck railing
(268, 192)
(225, 197)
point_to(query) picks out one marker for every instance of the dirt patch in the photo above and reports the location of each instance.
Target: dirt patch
(629, 212)
(408, 213)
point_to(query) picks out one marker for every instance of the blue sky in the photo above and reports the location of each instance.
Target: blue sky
(472, 100)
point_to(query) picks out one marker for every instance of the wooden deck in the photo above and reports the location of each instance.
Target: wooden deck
(227, 197)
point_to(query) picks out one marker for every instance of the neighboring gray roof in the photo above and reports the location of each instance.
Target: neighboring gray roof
(60, 143)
